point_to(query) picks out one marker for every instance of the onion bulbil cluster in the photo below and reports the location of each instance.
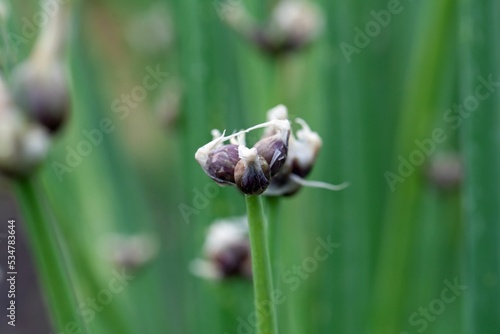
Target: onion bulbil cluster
(249, 169)
(275, 166)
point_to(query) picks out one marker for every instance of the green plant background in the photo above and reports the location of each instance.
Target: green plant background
(397, 248)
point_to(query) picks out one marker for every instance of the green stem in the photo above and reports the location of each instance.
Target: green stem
(49, 258)
(261, 268)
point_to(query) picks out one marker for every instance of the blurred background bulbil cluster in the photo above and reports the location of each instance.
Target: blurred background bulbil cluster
(403, 94)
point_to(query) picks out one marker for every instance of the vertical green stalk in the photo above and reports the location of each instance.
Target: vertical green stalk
(86, 281)
(479, 34)
(49, 258)
(261, 267)
(391, 287)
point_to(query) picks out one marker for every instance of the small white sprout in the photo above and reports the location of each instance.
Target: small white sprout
(247, 154)
(279, 112)
(304, 148)
(239, 140)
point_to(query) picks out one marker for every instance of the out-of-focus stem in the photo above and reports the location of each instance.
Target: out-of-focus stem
(46, 249)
